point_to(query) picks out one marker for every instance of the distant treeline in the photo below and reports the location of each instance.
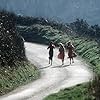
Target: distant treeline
(80, 26)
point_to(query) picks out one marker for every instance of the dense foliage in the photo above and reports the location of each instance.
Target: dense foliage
(11, 43)
(80, 26)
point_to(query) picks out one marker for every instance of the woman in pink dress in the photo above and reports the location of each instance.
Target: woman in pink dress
(61, 54)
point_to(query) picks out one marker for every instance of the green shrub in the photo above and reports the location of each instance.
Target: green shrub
(11, 43)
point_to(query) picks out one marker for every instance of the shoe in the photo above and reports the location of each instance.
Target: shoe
(72, 61)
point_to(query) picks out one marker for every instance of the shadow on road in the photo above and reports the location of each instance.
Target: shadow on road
(61, 66)
(45, 67)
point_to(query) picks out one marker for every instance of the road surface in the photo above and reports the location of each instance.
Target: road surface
(53, 78)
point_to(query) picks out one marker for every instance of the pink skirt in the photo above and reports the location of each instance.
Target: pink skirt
(61, 55)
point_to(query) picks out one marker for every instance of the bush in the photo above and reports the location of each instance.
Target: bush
(11, 43)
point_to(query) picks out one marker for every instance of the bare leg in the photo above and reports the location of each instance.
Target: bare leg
(70, 60)
(51, 62)
(62, 61)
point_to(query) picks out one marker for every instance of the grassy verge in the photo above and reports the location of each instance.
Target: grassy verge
(11, 78)
(90, 51)
(79, 92)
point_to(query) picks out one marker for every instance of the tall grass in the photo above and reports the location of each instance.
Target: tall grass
(11, 78)
(79, 92)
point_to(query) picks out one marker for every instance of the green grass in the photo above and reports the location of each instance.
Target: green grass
(79, 92)
(11, 78)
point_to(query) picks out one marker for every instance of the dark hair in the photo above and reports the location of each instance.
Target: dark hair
(68, 43)
(50, 43)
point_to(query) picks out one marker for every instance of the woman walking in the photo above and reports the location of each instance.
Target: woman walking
(51, 47)
(61, 54)
(71, 52)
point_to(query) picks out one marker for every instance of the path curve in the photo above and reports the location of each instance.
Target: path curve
(53, 78)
